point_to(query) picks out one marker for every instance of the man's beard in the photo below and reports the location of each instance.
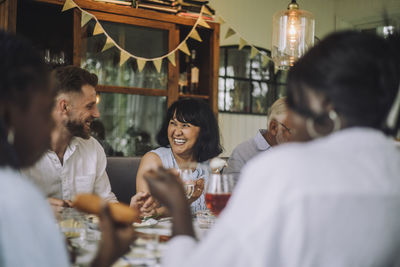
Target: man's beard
(77, 129)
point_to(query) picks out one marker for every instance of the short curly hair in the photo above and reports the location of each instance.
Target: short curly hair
(198, 113)
(68, 79)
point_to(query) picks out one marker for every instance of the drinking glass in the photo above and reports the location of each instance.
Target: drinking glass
(218, 191)
(188, 183)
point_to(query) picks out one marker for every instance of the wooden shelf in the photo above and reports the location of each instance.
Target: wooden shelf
(131, 90)
(194, 96)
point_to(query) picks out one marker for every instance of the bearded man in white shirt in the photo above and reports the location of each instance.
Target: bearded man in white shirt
(76, 162)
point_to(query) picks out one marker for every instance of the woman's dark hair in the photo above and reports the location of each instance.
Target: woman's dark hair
(358, 73)
(198, 113)
(23, 73)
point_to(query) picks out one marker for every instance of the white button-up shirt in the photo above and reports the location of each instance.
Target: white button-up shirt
(332, 202)
(83, 171)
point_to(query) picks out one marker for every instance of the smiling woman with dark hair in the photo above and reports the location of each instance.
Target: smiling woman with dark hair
(197, 113)
(189, 134)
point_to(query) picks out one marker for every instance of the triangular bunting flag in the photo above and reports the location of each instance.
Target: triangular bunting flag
(205, 10)
(203, 23)
(221, 20)
(85, 18)
(229, 33)
(171, 58)
(254, 52)
(184, 48)
(157, 63)
(97, 29)
(68, 5)
(140, 64)
(242, 43)
(265, 61)
(108, 45)
(195, 35)
(124, 57)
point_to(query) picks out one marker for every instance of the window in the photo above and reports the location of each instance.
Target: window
(245, 86)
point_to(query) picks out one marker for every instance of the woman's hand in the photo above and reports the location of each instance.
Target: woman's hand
(145, 203)
(198, 190)
(165, 185)
(115, 239)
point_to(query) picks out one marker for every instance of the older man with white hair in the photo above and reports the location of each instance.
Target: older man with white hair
(278, 132)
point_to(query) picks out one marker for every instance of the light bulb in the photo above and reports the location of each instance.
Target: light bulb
(292, 35)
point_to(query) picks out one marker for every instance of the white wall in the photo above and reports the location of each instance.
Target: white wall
(253, 18)
(237, 128)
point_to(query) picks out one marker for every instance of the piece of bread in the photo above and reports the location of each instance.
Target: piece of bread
(120, 212)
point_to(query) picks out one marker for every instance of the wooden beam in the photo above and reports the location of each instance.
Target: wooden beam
(131, 90)
(8, 15)
(130, 11)
(173, 72)
(214, 73)
(77, 38)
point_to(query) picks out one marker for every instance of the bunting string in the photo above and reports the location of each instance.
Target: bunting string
(125, 55)
(242, 42)
(182, 46)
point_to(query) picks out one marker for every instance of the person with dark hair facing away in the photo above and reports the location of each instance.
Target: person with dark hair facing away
(331, 200)
(76, 162)
(188, 134)
(28, 233)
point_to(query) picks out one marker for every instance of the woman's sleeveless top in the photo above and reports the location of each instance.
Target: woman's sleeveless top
(168, 162)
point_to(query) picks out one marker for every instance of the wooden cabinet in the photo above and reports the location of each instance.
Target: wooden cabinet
(133, 103)
(43, 22)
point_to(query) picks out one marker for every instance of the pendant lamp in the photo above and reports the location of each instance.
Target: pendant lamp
(292, 35)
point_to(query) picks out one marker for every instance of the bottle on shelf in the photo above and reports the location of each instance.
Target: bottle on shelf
(193, 74)
(184, 78)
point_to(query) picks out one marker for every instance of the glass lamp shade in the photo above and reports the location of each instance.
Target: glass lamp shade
(292, 35)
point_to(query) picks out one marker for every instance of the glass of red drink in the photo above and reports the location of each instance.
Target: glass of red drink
(218, 191)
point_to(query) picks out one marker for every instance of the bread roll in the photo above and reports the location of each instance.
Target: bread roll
(120, 212)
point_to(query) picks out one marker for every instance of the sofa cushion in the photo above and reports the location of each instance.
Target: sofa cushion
(122, 173)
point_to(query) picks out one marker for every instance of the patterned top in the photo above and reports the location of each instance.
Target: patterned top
(168, 162)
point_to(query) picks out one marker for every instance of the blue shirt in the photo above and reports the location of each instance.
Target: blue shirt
(28, 232)
(168, 162)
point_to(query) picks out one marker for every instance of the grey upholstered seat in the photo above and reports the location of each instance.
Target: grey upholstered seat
(122, 173)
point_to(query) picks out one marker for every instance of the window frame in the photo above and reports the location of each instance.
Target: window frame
(272, 83)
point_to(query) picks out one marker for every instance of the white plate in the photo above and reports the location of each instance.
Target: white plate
(147, 223)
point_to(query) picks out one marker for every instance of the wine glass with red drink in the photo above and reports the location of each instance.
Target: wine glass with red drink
(218, 191)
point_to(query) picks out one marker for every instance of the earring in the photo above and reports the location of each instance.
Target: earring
(333, 116)
(337, 124)
(10, 137)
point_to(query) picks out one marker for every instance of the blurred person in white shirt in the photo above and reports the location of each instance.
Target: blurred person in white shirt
(332, 199)
(76, 162)
(278, 132)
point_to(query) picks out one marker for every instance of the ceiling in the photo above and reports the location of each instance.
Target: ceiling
(364, 14)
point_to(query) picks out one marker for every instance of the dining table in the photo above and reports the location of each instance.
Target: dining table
(83, 235)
